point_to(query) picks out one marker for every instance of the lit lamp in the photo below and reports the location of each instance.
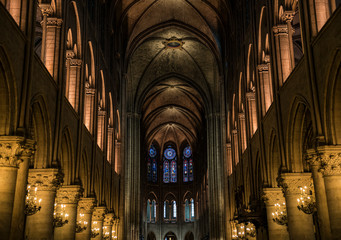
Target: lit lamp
(250, 229)
(106, 233)
(241, 231)
(113, 234)
(306, 202)
(94, 230)
(60, 218)
(280, 214)
(81, 225)
(32, 204)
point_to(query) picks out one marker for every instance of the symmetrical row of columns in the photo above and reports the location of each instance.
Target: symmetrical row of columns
(325, 164)
(15, 156)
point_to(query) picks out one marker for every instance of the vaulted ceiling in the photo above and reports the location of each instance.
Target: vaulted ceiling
(173, 51)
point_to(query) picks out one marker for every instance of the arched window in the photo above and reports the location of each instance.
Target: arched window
(165, 210)
(152, 165)
(148, 211)
(169, 157)
(153, 219)
(192, 210)
(187, 210)
(187, 164)
(174, 210)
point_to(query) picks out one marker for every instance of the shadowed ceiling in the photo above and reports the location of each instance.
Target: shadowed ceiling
(173, 88)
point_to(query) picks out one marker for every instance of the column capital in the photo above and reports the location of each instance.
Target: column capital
(54, 22)
(69, 194)
(99, 213)
(288, 16)
(75, 62)
(291, 182)
(263, 67)
(86, 205)
(45, 179)
(330, 158)
(281, 29)
(46, 8)
(271, 196)
(109, 219)
(15, 149)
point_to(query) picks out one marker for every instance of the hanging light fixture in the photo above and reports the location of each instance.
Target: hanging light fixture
(81, 224)
(250, 229)
(106, 233)
(280, 214)
(60, 217)
(94, 230)
(306, 202)
(32, 204)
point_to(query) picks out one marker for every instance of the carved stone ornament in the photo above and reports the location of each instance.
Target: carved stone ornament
(108, 219)
(291, 182)
(69, 194)
(86, 205)
(15, 149)
(54, 22)
(99, 213)
(271, 196)
(288, 16)
(45, 179)
(328, 158)
(280, 30)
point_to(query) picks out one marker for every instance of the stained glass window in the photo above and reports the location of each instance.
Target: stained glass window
(169, 172)
(152, 165)
(186, 211)
(174, 209)
(187, 164)
(165, 210)
(153, 211)
(192, 210)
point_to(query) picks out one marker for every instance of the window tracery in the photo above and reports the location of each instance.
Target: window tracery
(169, 165)
(187, 165)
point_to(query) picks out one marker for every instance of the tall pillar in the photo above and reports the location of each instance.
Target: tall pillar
(265, 87)
(68, 196)
(86, 207)
(252, 109)
(320, 194)
(118, 166)
(40, 225)
(107, 225)
(271, 197)
(284, 47)
(330, 157)
(11, 150)
(18, 216)
(300, 225)
(97, 220)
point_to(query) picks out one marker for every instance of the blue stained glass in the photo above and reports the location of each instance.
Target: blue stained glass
(187, 152)
(173, 172)
(152, 151)
(154, 171)
(185, 170)
(149, 171)
(170, 153)
(190, 170)
(166, 171)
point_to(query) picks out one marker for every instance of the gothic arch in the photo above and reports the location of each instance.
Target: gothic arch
(67, 157)
(41, 132)
(274, 160)
(262, 32)
(332, 104)
(299, 117)
(8, 98)
(84, 173)
(189, 236)
(151, 236)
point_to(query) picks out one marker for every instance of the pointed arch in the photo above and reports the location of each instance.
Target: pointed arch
(67, 157)
(84, 173)
(274, 160)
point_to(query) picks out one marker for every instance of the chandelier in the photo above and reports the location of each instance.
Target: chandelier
(280, 214)
(113, 233)
(250, 229)
(81, 224)
(106, 233)
(306, 202)
(60, 218)
(32, 204)
(243, 230)
(94, 230)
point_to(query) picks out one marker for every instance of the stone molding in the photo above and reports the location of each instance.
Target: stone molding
(271, 196)
(263, 67)
(45, 179)
(99, 213)
(90, 90)
(69, 194)
(328, 158)
(54, 22)
(14, 150)
(281, 29)
(291, 182)
(86, 205)
(108, 219)
(75, 62)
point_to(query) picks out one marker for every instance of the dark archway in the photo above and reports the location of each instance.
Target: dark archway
(151, 236)
(189, 236)
(170, 236)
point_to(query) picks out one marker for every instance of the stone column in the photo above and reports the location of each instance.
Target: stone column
(300, 225)
(46, 10)
(107, 226)
(40, 225)
(271, 197)
(97, 220)
(69, 196)
(11, 150)
(330, 157)
(252, 109)
(86, 207)
(320, 194)
(18, 216)
(118, 166)
(265, 87)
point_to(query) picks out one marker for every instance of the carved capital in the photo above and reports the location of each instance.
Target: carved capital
(271, 196)
(280, 30)
(288, 16)
(291, 182)
(99, 213)
(263, 68)
(108, 219)
(86, 205)
(90, 91)
(15, 149)
(69, 194)
(46, 8)
(70, 54)
(327, 158)
(75, 62)
(45, 179)
(54, 22)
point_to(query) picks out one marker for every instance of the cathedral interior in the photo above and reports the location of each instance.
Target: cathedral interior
(170, 119)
